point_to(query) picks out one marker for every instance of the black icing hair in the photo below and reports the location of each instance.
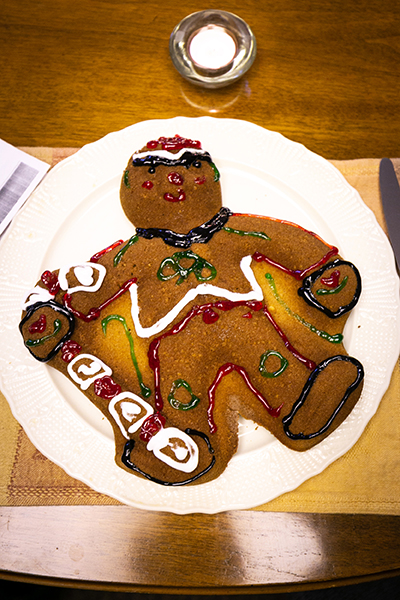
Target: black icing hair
(187, 159)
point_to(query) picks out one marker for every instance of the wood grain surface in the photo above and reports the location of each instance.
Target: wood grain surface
(326, 75)
(326, 72)
(121, 548)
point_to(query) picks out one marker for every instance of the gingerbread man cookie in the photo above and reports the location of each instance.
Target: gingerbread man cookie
(201, 316)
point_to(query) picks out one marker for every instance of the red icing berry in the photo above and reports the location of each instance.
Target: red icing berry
(173, 143)
(152, 425)
(200, 180)
(105, 387)
(255, 305)
(69, 350)
(210, 316)
(50, 280)
(38, 326)
(147, 184)
(332, 281)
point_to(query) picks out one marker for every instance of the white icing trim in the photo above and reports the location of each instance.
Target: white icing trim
(167, 154)
(162, 440)
(203, 288)
(62, 277)
(38, 294)
(136, 401)
(97, 369)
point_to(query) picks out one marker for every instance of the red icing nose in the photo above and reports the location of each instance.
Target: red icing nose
(175, 178)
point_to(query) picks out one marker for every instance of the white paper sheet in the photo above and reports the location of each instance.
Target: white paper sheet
(20, 173)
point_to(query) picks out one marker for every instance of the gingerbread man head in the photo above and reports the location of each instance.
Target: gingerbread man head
(170, 184)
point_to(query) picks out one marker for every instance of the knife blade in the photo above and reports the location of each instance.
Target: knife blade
(390, 195)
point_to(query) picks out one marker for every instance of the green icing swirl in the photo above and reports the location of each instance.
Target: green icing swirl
(146, 392)
(216, 172)
(336, 290)
(263, 359)
(197, 267)
(259, 234)
(333, 339)
(194, 400)
(129, 243)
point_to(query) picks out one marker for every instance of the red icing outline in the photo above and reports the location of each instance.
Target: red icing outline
(94, 312)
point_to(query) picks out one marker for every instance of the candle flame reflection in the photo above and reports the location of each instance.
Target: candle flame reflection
(216, 101)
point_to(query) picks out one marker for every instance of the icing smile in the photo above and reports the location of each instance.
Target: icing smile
(179, 198)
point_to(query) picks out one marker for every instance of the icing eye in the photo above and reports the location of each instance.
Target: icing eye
(152, 170)
(147, 184)
(197, 164)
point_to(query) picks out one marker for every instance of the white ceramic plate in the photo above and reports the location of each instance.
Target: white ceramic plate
(76, 212)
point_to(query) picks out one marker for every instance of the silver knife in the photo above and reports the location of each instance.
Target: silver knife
(390, 194)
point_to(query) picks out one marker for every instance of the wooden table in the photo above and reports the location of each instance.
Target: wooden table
(326, 75)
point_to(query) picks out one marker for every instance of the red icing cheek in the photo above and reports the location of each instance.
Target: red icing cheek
(175, 178)
(147, 184)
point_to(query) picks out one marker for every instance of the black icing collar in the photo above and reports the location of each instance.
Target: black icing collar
(198, 235)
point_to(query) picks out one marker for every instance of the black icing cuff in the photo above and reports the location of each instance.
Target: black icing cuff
(130, 444)
(57, 341)
(307, 294)
(287, 421)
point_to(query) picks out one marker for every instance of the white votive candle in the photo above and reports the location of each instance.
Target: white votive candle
(212, 47)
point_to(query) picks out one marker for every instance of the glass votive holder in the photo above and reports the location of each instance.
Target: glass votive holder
(212, 48)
